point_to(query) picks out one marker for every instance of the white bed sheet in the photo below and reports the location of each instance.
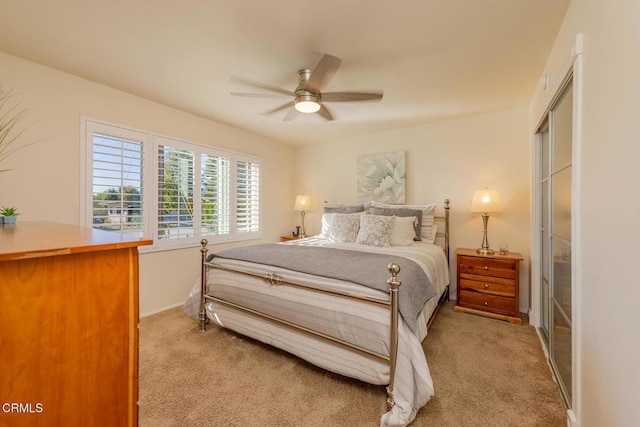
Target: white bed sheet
(346, 319)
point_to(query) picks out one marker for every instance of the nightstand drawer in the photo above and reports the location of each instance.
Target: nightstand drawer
(487, 267)
(490, 287)
(486, 302)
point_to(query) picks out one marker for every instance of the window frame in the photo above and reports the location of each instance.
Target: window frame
(150, 199)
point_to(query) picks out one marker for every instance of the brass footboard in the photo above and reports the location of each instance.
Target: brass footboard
(274, 279)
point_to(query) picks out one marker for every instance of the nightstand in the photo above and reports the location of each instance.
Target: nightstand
(488, 285)
(287, 238)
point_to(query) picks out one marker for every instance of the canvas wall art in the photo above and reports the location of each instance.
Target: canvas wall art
(381, 177)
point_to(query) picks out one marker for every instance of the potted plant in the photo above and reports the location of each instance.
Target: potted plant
(9, 215)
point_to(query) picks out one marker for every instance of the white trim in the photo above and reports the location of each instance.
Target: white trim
(572, 421)
(83, 170)
(576, 235)
(534, 317)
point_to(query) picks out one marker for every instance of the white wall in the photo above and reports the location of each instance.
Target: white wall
(611, 151)
(44, 182)
(608, 374)
(449, 159)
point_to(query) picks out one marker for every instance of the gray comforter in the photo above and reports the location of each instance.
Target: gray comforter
(363, 268)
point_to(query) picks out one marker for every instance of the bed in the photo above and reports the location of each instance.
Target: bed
(324, 300)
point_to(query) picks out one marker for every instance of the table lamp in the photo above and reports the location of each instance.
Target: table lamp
(302, 203)
(485, 201)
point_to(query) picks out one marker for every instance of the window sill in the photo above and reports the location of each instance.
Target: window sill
(212, 241)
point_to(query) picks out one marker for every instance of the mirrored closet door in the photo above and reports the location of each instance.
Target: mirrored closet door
(554, 139)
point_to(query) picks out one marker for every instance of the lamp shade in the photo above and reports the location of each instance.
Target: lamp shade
(303, 203)
(486, 200)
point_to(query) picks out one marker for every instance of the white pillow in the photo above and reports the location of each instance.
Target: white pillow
(344, 227)
(434, 232)
(427, 233)
(326, 224)
(403, 231)
(375, 230)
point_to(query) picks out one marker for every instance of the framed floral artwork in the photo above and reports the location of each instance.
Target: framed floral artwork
(381, 177)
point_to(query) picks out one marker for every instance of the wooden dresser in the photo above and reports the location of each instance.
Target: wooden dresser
(68, 326)
(488, 285)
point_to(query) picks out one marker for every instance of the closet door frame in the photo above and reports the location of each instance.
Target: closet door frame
(573, 71)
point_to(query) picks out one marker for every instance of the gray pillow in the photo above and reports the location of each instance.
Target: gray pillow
(346, 209)
(401, 212)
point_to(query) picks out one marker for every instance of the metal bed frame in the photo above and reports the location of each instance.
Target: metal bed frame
(274, 279)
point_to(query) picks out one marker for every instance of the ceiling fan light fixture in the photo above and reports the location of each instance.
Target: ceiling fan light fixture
(307, 106)
(306, 102)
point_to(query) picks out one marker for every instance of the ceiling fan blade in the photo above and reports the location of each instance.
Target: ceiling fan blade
(324, 112)
(264, 86)
(292, 114)
(323, 73)
(351, 96)
(259, 95)
(280, 108)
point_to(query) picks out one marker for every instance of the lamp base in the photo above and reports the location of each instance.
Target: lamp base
(484, 249)
(487, 251)
(302, 232)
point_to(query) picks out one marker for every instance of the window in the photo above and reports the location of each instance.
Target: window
(248, 197)
(114, 197)
(176, 192)
(214, 195)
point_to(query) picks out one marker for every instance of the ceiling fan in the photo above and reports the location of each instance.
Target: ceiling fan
(307, 97)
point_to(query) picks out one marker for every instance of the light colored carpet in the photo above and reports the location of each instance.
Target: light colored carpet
(486, 373)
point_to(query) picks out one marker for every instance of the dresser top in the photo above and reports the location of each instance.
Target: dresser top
(32, 239)
(496, 255)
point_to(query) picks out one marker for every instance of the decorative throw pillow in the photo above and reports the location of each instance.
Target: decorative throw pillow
(401, 212)
(375, 230)
(426, 227)
(403, 231)
(344, 227)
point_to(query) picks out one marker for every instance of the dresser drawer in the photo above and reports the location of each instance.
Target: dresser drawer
(490, 287)
(487, 267)
(487, 302)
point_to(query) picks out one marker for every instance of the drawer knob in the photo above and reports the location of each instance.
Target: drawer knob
(486, 286)
(486, 303)
(486, 267)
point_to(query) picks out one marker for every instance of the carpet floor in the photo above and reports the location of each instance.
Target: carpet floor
(486, 373)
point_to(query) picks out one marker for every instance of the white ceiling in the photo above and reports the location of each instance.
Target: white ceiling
(434, 59)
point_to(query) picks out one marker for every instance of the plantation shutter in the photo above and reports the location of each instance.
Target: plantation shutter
(214, 195)
(175, 193)
(117, 184)
(247, 197)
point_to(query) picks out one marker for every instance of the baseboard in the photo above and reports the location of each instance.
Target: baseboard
(572, 420)
(160, 310)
